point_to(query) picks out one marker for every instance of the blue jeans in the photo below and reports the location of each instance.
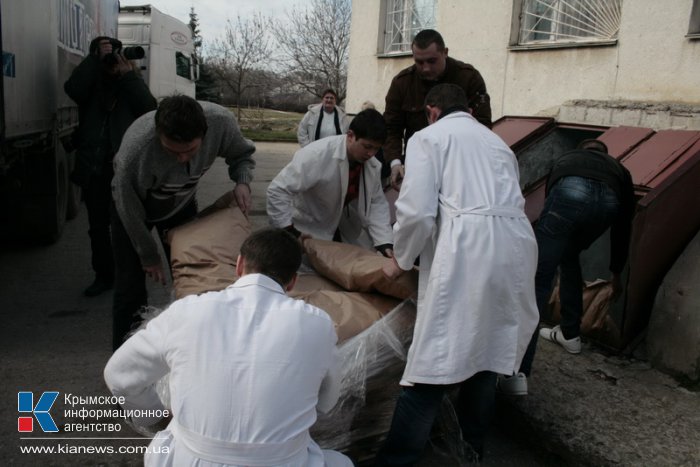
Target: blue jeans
(418, 406)
(577, 211)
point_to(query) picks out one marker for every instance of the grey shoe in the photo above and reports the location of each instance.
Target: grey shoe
(555, 335)
(514, 385)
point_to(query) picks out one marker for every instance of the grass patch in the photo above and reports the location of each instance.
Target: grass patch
(268, 124)
(270, 135)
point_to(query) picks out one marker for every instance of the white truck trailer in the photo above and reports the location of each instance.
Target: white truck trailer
(170, 64)
(42, 41)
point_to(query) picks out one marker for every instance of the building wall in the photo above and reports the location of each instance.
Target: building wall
(652, 60)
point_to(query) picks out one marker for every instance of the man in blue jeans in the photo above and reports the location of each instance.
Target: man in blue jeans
(588, 191)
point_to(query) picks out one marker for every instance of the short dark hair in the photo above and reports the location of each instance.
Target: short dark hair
(426, 37)
(272, 252)
(369, 124)
(329, 91)
(180, 118)
(446, 95)
(594, 144)
(95, 44)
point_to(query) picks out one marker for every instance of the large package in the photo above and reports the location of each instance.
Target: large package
(374, 317)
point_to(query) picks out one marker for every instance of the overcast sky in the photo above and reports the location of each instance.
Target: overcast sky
(213, 14)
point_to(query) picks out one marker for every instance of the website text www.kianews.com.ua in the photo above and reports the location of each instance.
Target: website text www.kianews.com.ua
(63, 448)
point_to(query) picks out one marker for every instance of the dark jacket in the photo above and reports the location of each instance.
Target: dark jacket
(404, 110)
(106, 106)
(599, 166)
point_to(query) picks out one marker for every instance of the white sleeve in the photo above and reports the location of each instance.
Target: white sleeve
(417, 205)
(303, 131)
(329, 393)
(292, 179)
(137, 365)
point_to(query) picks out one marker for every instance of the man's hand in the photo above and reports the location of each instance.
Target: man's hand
(155, 272)
(105, 48)
(391, 269)
(397, 173)
(123, 65)
(241, 193)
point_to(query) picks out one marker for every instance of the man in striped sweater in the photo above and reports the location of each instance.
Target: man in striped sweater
(156, 171)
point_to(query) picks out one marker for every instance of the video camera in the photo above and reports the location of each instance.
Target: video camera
(130, 53)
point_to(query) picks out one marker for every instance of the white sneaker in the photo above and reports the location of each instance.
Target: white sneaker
(555, 335)
(514, 385)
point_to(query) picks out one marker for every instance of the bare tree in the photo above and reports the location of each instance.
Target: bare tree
(314, 44)
(246, 46)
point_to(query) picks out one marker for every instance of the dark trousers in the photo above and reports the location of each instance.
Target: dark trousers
(98, 199)
(576, 212)
(418, 406)
(130, 280)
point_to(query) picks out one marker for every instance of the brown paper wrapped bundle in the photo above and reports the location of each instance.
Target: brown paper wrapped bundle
(203, 252)
(357, 270)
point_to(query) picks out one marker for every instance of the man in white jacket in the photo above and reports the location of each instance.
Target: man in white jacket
(248, 368)
(460, 209)
(332, 188)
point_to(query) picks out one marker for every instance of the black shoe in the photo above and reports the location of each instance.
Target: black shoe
(98, 286)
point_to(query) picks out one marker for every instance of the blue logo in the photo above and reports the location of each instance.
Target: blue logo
(25, 403)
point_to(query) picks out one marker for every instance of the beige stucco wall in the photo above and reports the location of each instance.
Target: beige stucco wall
(652, 60)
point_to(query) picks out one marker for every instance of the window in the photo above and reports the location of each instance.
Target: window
(182, 65)
(568, 22)
(404, 19)
(694, 26)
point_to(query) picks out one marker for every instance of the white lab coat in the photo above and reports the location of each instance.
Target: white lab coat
(461, 208)
(248, 368)
(310, 193)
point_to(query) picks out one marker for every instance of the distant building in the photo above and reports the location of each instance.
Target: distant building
(632, 62)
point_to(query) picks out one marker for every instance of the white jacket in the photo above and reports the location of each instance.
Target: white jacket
(310, 193)
(461, 208)
(306, 133)
(248, 367)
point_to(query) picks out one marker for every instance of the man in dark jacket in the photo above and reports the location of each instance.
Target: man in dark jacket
(405, 111)
(588, 191)
(110, 96)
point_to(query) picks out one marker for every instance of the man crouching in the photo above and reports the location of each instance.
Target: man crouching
(248, 368)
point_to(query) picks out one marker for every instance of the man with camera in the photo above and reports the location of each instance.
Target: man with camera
(110, 96)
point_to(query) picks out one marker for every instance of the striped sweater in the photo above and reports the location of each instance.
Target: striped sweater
(150, 185)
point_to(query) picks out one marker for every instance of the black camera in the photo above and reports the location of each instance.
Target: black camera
(130, 53)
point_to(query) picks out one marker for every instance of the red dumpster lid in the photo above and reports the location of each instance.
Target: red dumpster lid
(656, 155)
(620, 140)
(518, 132)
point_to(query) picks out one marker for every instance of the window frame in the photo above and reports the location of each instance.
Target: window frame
(694, 21)
(383, 32)
(515, 32)
(184, 59)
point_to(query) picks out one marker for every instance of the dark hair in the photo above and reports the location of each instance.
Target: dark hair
(594, 144)
(369, 124)
(329, 91)
(272, 252)
(180, 118)
(426, 37)
(445, 96)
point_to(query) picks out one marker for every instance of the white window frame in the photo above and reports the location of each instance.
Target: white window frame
(400, 22)
(694, 24)
(591, 23)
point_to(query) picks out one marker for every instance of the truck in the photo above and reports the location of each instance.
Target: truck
(42, 42)
(170, 65)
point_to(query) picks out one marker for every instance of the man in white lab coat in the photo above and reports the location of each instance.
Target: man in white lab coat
(248, 368)
(332, 188)
(460, 209)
